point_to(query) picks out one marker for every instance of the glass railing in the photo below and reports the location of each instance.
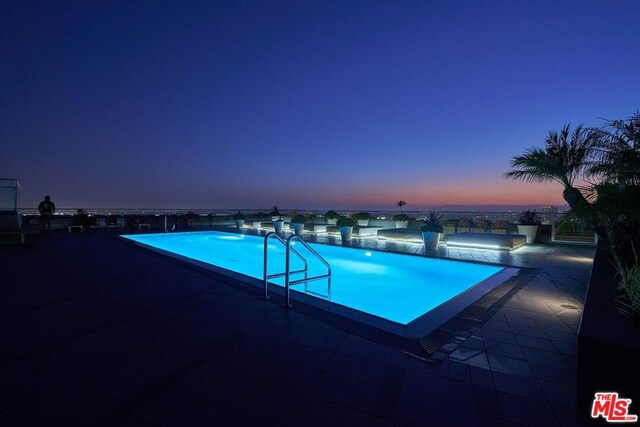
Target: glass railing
(558, 226)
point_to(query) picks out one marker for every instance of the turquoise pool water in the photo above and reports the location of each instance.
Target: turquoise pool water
(393, 286)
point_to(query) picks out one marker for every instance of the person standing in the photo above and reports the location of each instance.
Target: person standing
(46, 208)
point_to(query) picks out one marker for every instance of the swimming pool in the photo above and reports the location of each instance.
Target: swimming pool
(395, 287)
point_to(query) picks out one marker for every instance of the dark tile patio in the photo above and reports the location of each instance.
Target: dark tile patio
(96, 331)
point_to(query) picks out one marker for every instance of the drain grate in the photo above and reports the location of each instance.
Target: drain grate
(441, 342)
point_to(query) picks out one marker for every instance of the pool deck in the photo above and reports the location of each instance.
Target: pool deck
(96, 331)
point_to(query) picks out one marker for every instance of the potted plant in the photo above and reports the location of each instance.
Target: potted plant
(331, 217)
(239, 219)
(528, 225)
(276, 219)
(346, 227)
(298, 224)
(362, 218)
(431, 231)
(275, 214)
(261, 217)
(402, 220)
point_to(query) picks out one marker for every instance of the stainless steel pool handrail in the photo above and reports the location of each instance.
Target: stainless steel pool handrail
(286, 273)
(288, 283)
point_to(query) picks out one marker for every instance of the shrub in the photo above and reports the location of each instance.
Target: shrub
(433, 223)
(401, 217)
(275, 211)
(529, 218)
(434, 218)
(630, 280)
(299, 219)
(331, 215)
(616, 208)
(362, 216)
(433, 228)
(343, 221)
(239, 215)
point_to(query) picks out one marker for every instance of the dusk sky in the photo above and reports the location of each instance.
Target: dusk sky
(303, 104)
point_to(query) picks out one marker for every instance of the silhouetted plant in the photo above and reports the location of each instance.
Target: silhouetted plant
(275, 211)
(299, 219)
(362, 216)
(564, 158)
(344, 221)
(432, 228)
(331, 215)
(617, 151)
(529, 217)
(433, 223)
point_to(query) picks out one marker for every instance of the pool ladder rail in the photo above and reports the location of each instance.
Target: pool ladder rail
(288, 244)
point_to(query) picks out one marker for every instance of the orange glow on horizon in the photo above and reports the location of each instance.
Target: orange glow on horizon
(477, 193)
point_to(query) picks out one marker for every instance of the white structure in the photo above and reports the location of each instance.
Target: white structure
(9, 195)
(10, 219)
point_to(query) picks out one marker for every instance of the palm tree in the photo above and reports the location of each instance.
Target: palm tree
(617, 151)
(400, 204)
(565, 156)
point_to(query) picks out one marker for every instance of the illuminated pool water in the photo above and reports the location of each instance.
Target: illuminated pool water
(396, 287)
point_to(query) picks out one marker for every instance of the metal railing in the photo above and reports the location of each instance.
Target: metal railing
(179, 219)
(288, 273)
(287, 281)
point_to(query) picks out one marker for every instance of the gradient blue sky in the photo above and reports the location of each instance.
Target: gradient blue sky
(306, 104)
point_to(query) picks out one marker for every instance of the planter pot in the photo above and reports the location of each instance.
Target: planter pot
(275, 217)
(363, 222)
(430, 240)
(332, 221)
(345, 233)
(278, 225)
(529, 231)
(239, 223)
(402, 224)
(298, 228)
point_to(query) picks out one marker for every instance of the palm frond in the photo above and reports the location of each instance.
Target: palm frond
(535, 165)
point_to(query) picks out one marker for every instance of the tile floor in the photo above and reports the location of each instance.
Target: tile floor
(95, 331)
